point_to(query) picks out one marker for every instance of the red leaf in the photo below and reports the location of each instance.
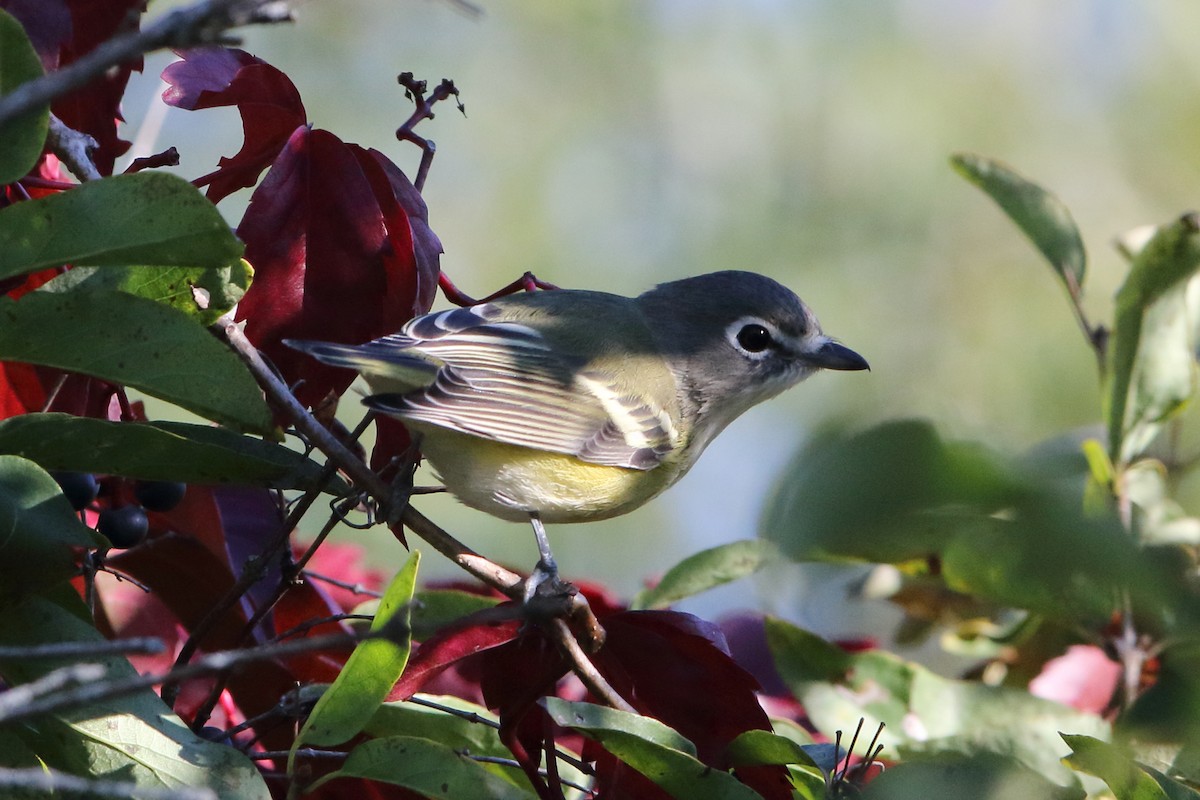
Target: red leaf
(20, 390)
(302, 604)
(676, 668)
(266, 99)
(327, 258)
(95, 108)
(449, 647)
(426, 246)
(46, 22)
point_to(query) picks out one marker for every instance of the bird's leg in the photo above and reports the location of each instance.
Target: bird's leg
(545, 574)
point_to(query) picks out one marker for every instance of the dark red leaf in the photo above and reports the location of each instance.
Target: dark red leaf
(21, 390)
(449, 647)
(95, 109)
(247, 521)
(266, 99)
(426, 246)
(46, 22)
(346, 563)
(325, 256)
(676, 668)
(305, 603)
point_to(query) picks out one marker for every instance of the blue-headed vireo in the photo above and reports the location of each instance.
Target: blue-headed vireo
(568, 405)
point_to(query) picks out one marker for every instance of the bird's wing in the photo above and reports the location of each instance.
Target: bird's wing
(502, 380)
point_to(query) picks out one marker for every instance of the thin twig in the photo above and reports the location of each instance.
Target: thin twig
(354, 588)
(73, 149)
(415, 90)
(200, 23)
(94, 689)
(141, 645)
(52, 783)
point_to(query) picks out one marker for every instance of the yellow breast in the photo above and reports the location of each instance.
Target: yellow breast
(508, 481)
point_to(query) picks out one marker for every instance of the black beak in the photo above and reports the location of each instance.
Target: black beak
(832, 355)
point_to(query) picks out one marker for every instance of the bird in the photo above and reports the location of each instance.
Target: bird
(571, 405)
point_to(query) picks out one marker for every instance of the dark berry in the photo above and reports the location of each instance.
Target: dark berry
(159, 495)
(123, 527)
(79, 487)
(212, 734)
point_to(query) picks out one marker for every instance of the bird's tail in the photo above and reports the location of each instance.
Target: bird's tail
(387, 365)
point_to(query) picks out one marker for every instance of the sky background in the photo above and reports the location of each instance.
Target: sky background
(614, 144)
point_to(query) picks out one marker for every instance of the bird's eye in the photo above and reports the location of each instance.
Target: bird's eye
(754, 338)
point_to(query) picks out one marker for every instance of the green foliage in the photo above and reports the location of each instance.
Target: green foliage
(372, 670)
(1022, 557)
(427, 767)
(203, 292)
(133, 738)
(1153, 339)
(38, 529)
(650, 747)
(1127, 779)
(21, 139)
(145, 218)
(107, 334)
(1039, 214)
(163, 451)
(707, 570)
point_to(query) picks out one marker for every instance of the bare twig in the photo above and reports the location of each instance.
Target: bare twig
(73, 149)
(356, 588)
(141, 645)
(201, 23)
(415, 91)
(48, 782)
(92, 689)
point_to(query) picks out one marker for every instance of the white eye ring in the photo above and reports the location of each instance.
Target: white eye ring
(752, 337)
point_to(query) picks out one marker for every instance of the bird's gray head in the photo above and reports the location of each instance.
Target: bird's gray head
(736, 339)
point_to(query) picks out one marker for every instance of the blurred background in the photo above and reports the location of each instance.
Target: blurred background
(612, 145)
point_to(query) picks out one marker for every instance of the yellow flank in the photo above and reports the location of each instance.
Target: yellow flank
(509, 481)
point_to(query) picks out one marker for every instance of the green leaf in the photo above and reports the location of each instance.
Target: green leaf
(436, 608)
(39, 531)
(474, 729)
(134, 738)
(1039, 214)
(1143, 386)
(926, 713)
(953, 776)
(21, 139)
(429, 768)
(462, 726)
(144, 218)
(1006, 533)
(653, 749)
(755, 748)
(1169, 711)
(161, 451)
(1158, 519)
(708, 569)
(1127, 779)
(370, 672)
(202, 292)
(889, 494)
(135, 342)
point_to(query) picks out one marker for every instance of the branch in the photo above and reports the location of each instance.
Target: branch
(141, 645)
(91, 688)
(201, 23)
(48, 782)
(73, 149)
